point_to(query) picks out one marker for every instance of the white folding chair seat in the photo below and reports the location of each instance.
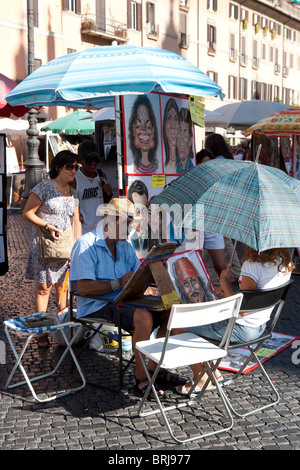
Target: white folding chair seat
(19, 326)
(187, 349)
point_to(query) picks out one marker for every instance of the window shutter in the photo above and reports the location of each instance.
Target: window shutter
(78, 7)
(128, 14)
(139, 16)
(65, 5)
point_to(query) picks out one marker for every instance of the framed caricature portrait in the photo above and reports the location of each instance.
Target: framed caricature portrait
(142, 132)
(177, 135)
(190, 277)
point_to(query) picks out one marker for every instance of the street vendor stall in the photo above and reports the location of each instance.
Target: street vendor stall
(117, 76)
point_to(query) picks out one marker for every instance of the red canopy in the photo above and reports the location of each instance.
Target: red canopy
(6, 85)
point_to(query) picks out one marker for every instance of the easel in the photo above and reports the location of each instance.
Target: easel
(151, 271)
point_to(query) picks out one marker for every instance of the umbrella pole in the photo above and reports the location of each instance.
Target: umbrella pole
(21, 148)
(119, 142)
(258, 153)
(233, 251)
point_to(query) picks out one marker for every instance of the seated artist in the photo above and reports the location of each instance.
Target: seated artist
(102, 263)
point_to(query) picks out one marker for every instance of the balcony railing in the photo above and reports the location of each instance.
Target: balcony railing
(103, 27)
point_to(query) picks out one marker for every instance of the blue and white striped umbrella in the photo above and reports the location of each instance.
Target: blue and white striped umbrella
(252, 203)
(94, 76)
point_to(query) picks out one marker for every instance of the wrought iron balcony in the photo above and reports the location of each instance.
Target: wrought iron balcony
(103, 28)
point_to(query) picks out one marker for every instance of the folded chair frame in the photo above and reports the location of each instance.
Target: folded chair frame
(18, 325)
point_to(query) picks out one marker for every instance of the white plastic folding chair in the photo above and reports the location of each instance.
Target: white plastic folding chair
(186, 349)
(20, 327)
(254, 300)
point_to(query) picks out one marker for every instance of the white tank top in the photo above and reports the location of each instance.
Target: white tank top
(90, 195)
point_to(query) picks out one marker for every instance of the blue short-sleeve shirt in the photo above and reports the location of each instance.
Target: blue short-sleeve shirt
(91, 259)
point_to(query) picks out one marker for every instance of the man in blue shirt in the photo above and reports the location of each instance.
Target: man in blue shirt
(102, 263)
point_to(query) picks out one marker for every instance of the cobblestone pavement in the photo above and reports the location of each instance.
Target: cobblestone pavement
(97, 419)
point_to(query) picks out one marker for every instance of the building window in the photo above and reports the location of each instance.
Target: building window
(212, 75)
(211, 38)
(232, 49)
(183, 30)
(243, 55)
(151, 15)
(243, 88)
(277, 66)
(264, 22)
(244, 14)
(270, 92)
(263, 91)
(233, 11)
(72, 5)
(133, 15)
(263, 51)
(232, 87)
(255, 55)
(212, 5)
(276, 93)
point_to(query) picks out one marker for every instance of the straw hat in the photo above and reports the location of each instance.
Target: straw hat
(119, 207)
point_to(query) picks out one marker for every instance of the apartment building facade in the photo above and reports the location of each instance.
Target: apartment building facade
(249, 47)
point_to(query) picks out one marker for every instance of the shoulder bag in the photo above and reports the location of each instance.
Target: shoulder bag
(56, 251)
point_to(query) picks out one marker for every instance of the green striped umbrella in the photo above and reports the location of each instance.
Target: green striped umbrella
(72, 124)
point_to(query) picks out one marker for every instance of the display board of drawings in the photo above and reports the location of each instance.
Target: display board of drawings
(159, 145)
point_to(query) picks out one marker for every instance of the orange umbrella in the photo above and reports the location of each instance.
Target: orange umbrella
(282, 124)
(6, 85)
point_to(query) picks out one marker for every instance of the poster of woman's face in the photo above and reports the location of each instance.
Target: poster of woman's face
(178, 135)
(142, 122)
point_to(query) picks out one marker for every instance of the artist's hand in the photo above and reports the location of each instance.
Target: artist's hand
(225, 281)
(226, 274)
(126, 278)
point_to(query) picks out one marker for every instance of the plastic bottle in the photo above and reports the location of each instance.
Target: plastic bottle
(126, 345)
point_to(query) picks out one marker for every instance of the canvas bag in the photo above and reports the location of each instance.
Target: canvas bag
(53, 251)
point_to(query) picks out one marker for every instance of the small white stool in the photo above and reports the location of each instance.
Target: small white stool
(19, 325)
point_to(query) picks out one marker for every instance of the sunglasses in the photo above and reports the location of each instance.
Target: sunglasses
(71, 167)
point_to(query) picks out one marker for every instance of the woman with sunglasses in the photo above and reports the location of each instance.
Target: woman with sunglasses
(52, 204)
